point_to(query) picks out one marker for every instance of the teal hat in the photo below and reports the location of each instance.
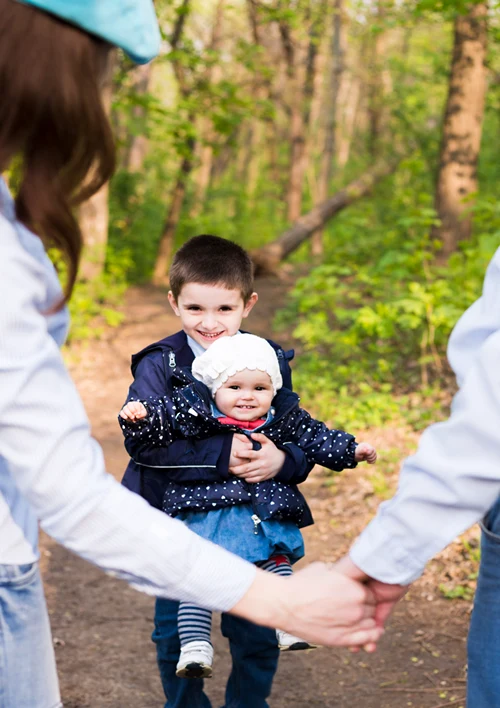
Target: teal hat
(128, 24)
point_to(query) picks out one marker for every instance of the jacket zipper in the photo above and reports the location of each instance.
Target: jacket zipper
(256, 522)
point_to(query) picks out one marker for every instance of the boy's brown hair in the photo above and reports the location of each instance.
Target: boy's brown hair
(211, 260)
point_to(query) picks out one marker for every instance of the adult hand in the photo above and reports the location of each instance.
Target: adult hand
(386, 596)
(318, 604)
(241, 445)
(262, 464)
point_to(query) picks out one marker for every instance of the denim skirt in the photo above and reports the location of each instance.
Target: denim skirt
(233, 528)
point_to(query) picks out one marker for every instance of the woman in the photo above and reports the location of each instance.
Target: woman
(51, 470)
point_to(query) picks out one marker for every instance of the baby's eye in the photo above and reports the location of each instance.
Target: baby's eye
(260, 388)
(234, 387)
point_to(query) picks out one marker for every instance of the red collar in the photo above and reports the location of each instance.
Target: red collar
(245, 424)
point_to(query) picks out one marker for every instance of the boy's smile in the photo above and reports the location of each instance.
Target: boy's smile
(209, 312)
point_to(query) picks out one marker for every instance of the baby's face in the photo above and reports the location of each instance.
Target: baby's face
(245, 396)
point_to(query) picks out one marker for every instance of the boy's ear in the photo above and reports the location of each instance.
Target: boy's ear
(173, 303)
(250, 303)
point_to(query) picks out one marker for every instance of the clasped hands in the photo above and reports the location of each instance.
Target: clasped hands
(323, 604)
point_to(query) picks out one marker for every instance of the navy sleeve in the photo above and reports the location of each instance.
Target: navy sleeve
(296, 466)
(333, 449)
(184, 460)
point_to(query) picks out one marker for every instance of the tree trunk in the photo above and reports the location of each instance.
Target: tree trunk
(203, 173)
(311, 86)
(94, 213)
(297, 154)
(254, 162)
(349, 119)
(138, 144)
(457, 177)
(295, 90)
(213, 75)
(268, 258)
(379, 83)
(328, 154)
(272, 141)
(166, 247)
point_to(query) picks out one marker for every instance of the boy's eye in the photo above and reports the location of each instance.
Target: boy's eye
(194, 308)
(226, 308)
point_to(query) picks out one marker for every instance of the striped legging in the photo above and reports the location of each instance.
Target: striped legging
(195, 623)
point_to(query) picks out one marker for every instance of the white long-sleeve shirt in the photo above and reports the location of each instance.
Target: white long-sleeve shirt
(52, 470)
(454, 477)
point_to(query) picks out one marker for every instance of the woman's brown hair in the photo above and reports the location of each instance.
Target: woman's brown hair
(52, 117)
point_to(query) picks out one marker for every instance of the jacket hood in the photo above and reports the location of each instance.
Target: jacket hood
(176, 343)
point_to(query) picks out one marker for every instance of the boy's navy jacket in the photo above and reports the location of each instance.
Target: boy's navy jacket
(190, 460)
(187, 413)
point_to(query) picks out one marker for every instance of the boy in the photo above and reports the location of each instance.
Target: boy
(211, 292)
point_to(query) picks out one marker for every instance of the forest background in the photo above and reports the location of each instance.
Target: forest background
(348, 143)
(351, 146)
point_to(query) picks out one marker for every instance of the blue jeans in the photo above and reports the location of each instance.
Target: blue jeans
(254, 652)
(483, 646)
(28, 676)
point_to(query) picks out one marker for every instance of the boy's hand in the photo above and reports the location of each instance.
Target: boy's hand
(260, 464)
(241, 445)
(133, 411)
(365, 453)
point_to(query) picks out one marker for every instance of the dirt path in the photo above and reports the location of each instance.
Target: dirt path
(102, 628)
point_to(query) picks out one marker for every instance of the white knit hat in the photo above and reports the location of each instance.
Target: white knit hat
(228, 355)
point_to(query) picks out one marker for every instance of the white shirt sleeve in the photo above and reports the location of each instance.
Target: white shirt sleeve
(454, 478)
(49, 453)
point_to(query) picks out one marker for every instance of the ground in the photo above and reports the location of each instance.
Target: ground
(102, 628)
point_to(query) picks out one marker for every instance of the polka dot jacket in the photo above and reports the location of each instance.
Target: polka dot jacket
(187, 414)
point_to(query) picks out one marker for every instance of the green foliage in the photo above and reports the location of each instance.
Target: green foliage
(382, 476)
(447, 8)
(372, 323)
(457, 592)
(95, 305)
(137, 213)
(464, 590)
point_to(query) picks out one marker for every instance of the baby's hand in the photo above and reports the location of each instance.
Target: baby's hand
(365, 453)
(133, 411)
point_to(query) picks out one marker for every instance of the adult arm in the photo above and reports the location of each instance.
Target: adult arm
(449, 484)
(46, 445)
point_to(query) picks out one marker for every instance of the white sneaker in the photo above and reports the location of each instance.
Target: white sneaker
(287, 642)
(195, 660)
